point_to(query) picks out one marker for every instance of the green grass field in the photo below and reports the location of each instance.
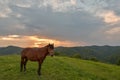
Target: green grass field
(57, 68)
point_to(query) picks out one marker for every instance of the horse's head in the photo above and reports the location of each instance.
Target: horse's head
(51, 49)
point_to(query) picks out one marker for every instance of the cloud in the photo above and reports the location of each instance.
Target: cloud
(113, 31)
(58, 5)
(74, 5)
(5, 12)
(97, 8)
(10, 38)
(110, 34)
(18, 15)
(34, 41)
(23, 5)
(39, 41)
(13, 36)
(6, 9)
(100, 9)
(109, 17)
(19, 27)
(77, 19)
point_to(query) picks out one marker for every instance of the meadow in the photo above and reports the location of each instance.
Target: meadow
(57, 68)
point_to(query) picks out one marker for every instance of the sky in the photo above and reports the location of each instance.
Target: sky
(35, 23)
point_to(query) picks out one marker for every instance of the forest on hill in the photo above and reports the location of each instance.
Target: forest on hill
(108, 54)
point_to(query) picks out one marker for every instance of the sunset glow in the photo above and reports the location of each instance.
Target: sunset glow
(34, 41)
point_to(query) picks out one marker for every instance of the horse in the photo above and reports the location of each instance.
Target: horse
(36, 54)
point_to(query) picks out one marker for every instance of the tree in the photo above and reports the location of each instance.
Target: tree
(56, 53)
(118, 63)
(77, 55)
(93, 59)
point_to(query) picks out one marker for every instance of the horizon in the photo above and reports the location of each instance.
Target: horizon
(69, 23)
(60, 46)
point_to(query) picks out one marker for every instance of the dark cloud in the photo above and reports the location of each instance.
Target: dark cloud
(74, 22)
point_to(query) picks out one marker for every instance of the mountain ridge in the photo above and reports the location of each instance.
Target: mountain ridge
(106, 53)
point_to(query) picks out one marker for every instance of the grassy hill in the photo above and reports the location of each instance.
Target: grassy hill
(10, 50)
(58, 68)
(107, 54)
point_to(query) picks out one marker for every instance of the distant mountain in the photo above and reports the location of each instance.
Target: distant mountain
(10, 50)
(109, 54)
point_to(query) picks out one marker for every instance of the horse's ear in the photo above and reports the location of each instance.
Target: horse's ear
(49, 44)
(53, 44)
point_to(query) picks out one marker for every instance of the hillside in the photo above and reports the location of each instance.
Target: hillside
(10, 50)
(108, 54)
(58, 68)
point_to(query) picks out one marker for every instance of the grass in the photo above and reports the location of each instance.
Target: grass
(57, 68)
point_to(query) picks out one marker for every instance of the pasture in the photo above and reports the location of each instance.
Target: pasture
(57, 68)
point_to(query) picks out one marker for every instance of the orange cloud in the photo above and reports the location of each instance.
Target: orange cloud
(40, 42)
(10, 38)
(34, 41)
(73, 2)
(109, 17)
(13, 35)
(115, 30)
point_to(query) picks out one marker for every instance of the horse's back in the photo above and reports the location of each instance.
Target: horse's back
(30, 53)
(25, 52)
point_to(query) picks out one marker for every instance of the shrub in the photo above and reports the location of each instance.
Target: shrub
(118, 63)
(77, 55)
(93, 59)
(56, 53)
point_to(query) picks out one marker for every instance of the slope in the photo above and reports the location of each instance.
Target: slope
(58, 68)
(10, 50)
(105, 53)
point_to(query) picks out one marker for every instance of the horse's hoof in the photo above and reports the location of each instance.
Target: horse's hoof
(39, 74)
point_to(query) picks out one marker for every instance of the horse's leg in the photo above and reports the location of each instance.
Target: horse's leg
(39, 68)
(25, 62)
(21, 64)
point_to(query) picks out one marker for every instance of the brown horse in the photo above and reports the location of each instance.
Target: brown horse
(36, 54)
